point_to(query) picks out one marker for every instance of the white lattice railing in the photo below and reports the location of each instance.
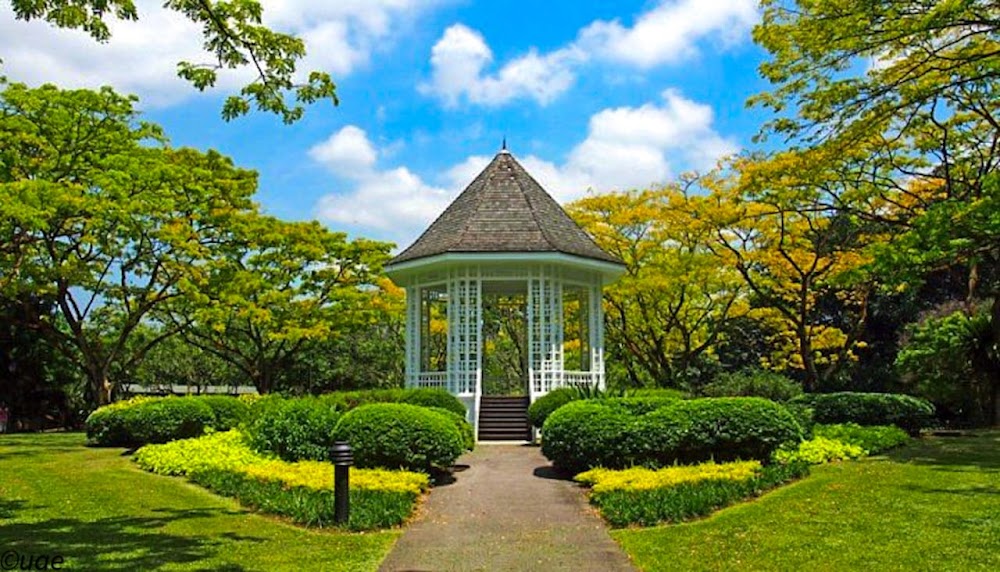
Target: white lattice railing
(578, 378)
(433, 379)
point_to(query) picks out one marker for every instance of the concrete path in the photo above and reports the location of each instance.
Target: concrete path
(506, 511)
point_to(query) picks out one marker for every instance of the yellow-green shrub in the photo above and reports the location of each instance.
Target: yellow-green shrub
(215, 450)
(318, 475)
(640, 478)
(819, 450)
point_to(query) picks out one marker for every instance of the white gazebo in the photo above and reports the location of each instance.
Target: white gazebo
(504, 243)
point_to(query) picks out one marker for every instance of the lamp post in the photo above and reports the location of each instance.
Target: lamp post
(342, 458)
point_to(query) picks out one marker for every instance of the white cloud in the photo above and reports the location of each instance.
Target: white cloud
(393, 202)
(670, 32)
(141, 56)
(459, 58)
(625, 147)
(666, 34)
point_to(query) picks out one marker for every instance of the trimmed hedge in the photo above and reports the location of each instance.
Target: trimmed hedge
(401, 436)
(370, 509)
(425, 397)
(464, 427)
(753, 383)
(687, 500)
(230, 412)
(294, 429)
(540, 410)
(904, 411)
(148, 420)
(632, 431)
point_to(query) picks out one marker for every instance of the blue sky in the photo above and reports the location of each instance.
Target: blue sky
(590, 95)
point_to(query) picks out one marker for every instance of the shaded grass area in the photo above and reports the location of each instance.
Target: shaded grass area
(100, 512)
(934, 505)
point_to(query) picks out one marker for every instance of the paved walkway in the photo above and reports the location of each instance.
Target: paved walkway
(505, 512)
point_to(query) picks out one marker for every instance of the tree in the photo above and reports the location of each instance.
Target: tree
(667, 312)
(273, 288)
(793, 253)
(901, 97)
(97, 215)
(950, 356)
(234, 37)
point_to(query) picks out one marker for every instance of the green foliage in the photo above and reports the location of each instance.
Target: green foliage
(819, 450)
(293, 429)
(627, 432)
(675, 298)
(641, 478)
(904, 411)
(224, 463)
(398, 435)
(542, 407)
(225, 450)
(370, 509)
(594, 391)
(873, 439)
(229, 412)
(464, 427)
(347, 400)
(753, 383)
(148, 421)
(688, 500)
(952, 360)
(233, 34)
(285, 285)
(434, 398)
(111, 236)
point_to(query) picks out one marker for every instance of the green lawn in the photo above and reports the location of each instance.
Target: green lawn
(934, 505)
(98, 511)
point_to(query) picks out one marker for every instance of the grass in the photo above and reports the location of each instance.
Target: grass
(934, 505)
(100, 512)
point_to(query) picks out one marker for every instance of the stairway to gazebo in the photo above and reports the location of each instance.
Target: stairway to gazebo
(504, 419)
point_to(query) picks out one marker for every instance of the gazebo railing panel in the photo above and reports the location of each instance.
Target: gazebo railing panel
(432, 379)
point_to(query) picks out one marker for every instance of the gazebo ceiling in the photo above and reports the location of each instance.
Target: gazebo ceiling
(503, 211)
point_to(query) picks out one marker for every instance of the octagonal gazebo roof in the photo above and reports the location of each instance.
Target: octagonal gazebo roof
(504, 210)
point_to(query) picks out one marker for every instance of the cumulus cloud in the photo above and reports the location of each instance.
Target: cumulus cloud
(459, 58)
(625, 147)
(668, 33)
(141, 56)
(393, 202)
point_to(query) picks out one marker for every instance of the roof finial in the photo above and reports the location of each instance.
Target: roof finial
(503, 146)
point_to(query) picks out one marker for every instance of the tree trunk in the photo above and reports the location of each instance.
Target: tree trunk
(994, 373)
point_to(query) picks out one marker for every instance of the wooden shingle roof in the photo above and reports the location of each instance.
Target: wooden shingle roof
(504, 210)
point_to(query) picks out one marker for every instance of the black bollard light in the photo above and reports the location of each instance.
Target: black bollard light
(342, 458)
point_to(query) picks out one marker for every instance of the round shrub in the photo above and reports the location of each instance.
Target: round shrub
(585, 434)
(627, 432)
(904, 411)
(400, 436)
(294, 429)
(148, 421)
(540, 410)
(434, 398)
(730, 428)
(753, 383)
(660, 392)
(464, 427)
(229, 412)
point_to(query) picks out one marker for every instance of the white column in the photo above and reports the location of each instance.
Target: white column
(412, 335)
(596, 330)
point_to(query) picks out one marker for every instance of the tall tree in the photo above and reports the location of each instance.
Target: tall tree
(901, 96)
(101, 218)
(274, 288)
(234, 37)
(669, 309)
(793, 254)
